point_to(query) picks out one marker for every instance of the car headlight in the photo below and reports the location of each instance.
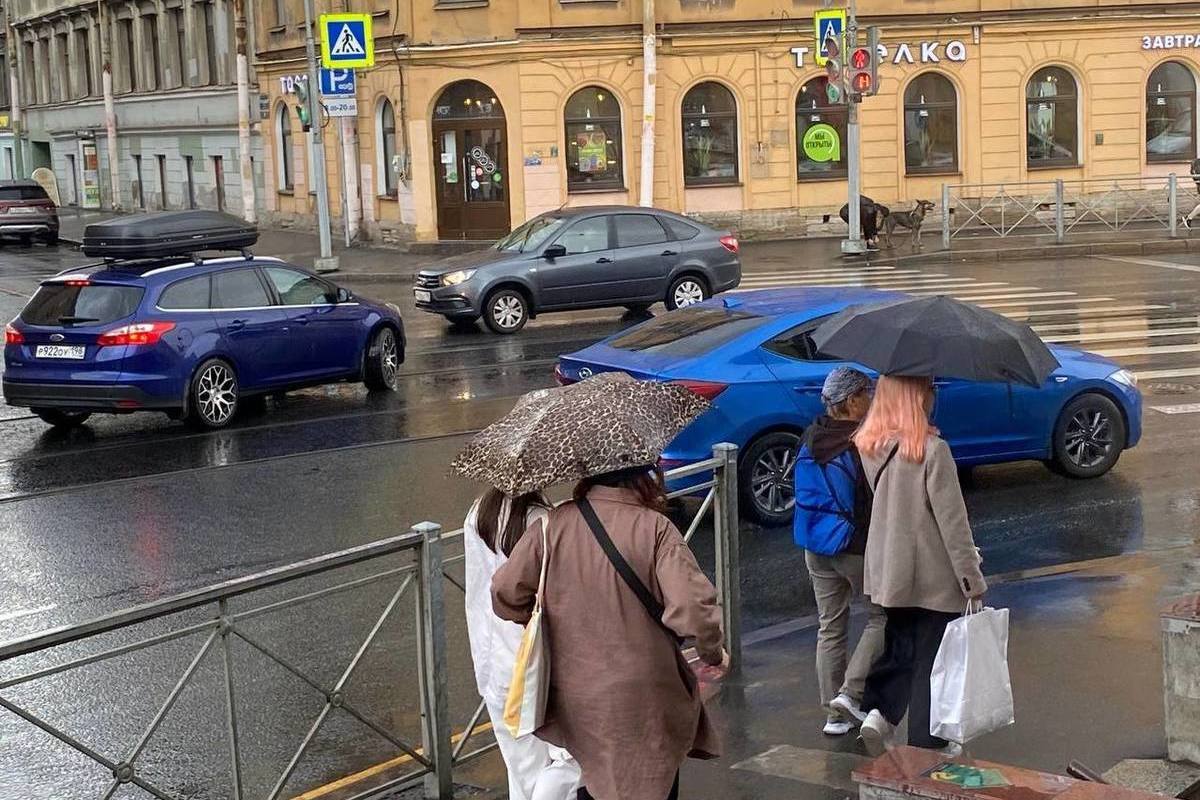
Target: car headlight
(1125, 378)
(455, 278)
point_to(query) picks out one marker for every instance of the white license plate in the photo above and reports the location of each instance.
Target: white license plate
(22, 210)
(60, 351)
(422, 295)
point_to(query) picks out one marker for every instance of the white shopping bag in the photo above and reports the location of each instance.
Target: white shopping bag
(970, 691)
(525, 706)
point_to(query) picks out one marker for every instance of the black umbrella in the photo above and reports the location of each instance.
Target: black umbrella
(937, 336)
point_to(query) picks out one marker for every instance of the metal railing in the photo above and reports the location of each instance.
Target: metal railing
(211, 620)
(1059, 207)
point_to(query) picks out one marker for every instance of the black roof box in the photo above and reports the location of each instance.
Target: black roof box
(167, 233)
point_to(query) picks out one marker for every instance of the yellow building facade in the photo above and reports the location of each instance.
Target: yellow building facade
(479, 115)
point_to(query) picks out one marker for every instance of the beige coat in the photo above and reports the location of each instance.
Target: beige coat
(920, 553)
(622, 699)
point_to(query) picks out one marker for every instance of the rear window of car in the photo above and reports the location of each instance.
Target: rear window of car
(680, 230)
(17, 193)
(91, 304)
(688, 331)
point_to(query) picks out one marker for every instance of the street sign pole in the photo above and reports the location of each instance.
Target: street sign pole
(327, 262)
(854, 243)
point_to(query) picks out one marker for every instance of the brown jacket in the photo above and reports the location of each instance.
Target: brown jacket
(622, 699)
(921, 553)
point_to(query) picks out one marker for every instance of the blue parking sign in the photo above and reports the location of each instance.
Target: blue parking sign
(338, 83)
(347, 41)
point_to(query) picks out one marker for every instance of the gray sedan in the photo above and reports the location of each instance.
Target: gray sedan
(574, 258)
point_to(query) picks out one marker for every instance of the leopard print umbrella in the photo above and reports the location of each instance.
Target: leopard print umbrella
(603, 424)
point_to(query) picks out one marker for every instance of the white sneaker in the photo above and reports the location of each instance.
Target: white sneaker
(876, 733)
(951, 750)
(844, 706)
(837, 727)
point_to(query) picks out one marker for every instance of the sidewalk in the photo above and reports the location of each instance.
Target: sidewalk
(379, 264)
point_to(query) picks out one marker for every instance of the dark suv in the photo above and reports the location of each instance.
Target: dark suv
(26, 211)
(577, 258)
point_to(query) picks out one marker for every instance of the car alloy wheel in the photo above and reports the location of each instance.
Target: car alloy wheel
(688, 292)
(1088, 439)
(389, 356)
(216, 394)
(772, 481)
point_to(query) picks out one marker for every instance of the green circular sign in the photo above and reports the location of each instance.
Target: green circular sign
(821, 143)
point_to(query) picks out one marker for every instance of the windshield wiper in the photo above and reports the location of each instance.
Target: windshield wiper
(76, 320)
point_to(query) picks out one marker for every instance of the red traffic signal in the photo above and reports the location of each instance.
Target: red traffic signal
(861, 83)
(861, 58)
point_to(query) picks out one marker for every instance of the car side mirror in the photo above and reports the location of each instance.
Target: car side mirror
(343, 295)
(555, 251)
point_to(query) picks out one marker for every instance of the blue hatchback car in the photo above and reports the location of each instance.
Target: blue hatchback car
(192, 337)
(752, 354)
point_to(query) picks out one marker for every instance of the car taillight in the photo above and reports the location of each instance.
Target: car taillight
(79, 283)
(730, 243)
(138, 333)
(707, 390)
(13, 336)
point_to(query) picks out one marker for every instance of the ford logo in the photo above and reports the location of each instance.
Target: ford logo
(585, 373)
(57, 337)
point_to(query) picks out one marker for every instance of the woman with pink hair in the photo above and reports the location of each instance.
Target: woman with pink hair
(921, 566)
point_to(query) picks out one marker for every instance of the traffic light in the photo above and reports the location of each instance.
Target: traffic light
(835, 87)
(300, 88)
(863, 65)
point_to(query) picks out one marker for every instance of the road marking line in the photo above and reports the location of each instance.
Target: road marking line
(1120, 322)
(1083, 313)
(1152, 374)
(28, 612)
(370, 772)
(1185, 408)
(1150, 262)
(1166, 349)
(1026, 303)
(816, 273)
(856, 280)
(979, 298)
(1121, 336)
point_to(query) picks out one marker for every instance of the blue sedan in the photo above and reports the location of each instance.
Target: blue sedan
(752, 355)
(194, 338)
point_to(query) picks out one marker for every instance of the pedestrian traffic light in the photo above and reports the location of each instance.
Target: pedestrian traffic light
(300, 88)
(863, 65)
(835, 87)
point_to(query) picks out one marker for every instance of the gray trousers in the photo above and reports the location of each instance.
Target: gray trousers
(836, 581)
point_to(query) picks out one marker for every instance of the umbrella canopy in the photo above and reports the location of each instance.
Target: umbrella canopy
(937, 336)
(606, 423)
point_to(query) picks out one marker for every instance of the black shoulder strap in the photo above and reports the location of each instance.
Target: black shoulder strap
(654, 608)
(886, 461)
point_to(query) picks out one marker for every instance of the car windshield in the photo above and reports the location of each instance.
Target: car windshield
(90, 304)
(530, 236)
(688, 331)
(13, 194)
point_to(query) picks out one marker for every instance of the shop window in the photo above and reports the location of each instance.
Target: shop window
(931, 126)
(593, 138)
(467, 100)
(283, 145)
(1171, 113)
(710, 136)
(385, 135)
(1052, 119)
(820, 133)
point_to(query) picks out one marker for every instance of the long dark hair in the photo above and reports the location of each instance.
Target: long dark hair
(646, 482)
(487, 518)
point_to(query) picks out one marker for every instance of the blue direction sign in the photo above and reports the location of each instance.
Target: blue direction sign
(338, 83)
(347, 41)
(828, 24)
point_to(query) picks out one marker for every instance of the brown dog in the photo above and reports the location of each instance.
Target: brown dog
(907, 219)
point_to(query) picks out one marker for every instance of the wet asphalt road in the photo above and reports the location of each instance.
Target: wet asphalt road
(136, 508)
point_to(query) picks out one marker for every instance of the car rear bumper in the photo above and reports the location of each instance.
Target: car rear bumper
(82, 397)
(22, 228)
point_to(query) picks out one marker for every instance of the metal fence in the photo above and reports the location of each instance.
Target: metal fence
(1057, 208)
(204, 625)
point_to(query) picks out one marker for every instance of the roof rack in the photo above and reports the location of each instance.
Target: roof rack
(168, 233)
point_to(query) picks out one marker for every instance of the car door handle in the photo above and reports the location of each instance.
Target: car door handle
(237, 325)
(807, 389)
(302, 320)
(669, 253)
(604, 260)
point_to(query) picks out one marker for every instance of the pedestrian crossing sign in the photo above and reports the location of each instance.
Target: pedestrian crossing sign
(347, 41)
(828, 24)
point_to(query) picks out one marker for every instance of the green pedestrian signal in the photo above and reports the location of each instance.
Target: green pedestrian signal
(300, 88)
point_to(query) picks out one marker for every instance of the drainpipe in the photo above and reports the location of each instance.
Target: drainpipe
(245, 166)
(14, 94)
(649, 79)
(110, 113)
(351, 193)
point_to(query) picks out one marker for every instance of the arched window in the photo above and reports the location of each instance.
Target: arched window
(283, 144)
(593, 138)
(385, 135)
(710, 135)
(930, 125)
(1052, 119)
(1171, 113)
(820, 133)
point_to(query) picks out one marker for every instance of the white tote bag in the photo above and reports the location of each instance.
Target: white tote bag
(970, 691)
(525, 706)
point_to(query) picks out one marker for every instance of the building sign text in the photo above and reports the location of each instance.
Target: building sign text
(905, 53)
(1170, 42)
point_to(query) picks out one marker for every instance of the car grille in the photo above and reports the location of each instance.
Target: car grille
(428, 281)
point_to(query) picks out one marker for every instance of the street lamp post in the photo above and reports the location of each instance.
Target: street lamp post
(327, 262)
(854, 243)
